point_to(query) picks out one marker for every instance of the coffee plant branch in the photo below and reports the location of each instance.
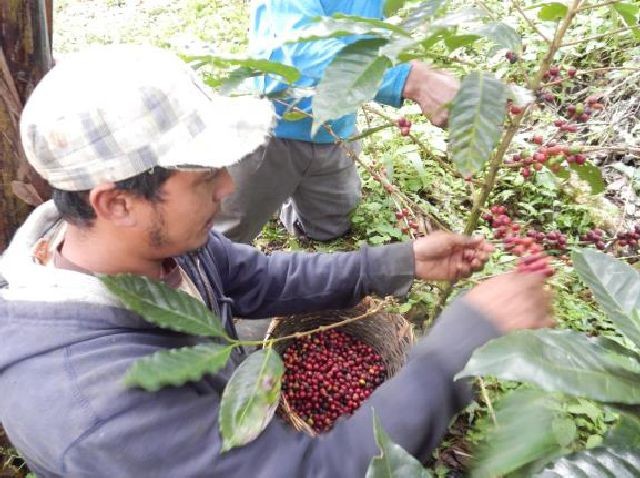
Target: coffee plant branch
(597, 5)
(598, 37)
(518, 7)
(498, 157)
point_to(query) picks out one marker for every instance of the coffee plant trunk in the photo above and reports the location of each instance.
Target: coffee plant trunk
(25, 57)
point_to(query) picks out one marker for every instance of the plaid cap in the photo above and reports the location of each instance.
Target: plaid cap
(113, 112)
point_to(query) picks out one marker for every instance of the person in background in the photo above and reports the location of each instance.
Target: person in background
(136, 151)
(312, 180)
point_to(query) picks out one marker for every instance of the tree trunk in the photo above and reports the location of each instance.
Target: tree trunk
(24, 59)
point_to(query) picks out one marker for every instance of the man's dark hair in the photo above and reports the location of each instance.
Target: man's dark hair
(75, 208)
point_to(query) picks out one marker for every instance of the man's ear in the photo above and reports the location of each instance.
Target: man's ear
(113, 205)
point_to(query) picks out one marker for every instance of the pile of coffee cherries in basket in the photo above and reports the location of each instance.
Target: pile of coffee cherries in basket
(329, 374)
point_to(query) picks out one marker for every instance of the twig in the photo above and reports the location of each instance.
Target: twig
(297, 335)
(486, 8)
(597, 5)
(529, 22)
(597, 37)
(485, 397)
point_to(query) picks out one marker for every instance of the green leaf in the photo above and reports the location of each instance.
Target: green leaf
(177, 366)
(289, 73)
(561, 360)
(294, 116)
(456, 41)
(392, 6)
(616, 287)
(340, 25)
(597, 463)
(564, 430)
(374, 22)
(502, 35)
(524, 433)
(166, 307)
(420, 15)
(475, 122)
(592, 174)
(561, 172)
(629, 13)
(460, 17)
(250, 398)
(393, 461)
(626, 431)
(552, 12)
(356, 72)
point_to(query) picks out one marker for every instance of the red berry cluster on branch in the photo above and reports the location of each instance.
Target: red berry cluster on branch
(403, 216)
(580, 112)
(533, 242)
(329, 374)
(553, 73)
(552, 155)
(405, 126)
(596, 236)
(500, 222)
(629, 238)
(511, 56)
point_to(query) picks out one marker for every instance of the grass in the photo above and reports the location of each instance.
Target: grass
(181, 25)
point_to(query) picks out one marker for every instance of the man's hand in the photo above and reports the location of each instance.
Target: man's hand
(513, 301)
(433, 90)
(446, 256)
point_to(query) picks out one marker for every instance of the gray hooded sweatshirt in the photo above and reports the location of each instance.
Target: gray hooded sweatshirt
(66, 344)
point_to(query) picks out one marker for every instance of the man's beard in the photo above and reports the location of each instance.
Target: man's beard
(156, 235)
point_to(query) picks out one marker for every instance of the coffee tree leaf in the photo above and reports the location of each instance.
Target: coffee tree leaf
(294, 116)
(356, 72)
(392, 6)
(629, 13)
(420, 15)
(561, 361)
(626, 431)
(622, 462)
(341, 25)
(616, 287)
(177, 366)
(591, 174)
(251, 66)
(552, 12)
(393, 461)
(564, 430)
(475, 121)
(460, 18)
(250, 398)
(532, 411)
(502, 35)
(163, 306)
(456, 41)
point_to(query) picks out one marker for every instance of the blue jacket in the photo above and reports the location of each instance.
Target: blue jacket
(67, 343)
(271, 20)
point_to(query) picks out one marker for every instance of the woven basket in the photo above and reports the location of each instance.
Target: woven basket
(389, 334)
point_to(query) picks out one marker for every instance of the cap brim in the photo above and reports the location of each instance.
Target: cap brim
(233, 127)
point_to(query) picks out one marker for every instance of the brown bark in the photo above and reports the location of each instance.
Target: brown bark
(24, 59)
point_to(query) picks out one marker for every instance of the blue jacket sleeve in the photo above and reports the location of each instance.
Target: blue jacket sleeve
(174, 432)
(272, 20)
(286, 283)
(390, 92)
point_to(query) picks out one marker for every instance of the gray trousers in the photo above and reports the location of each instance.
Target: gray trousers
(315, 186)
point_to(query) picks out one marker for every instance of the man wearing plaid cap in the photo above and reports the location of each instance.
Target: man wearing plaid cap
(136, 149)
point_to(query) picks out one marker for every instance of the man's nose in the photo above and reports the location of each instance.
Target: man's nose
(225, 186)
